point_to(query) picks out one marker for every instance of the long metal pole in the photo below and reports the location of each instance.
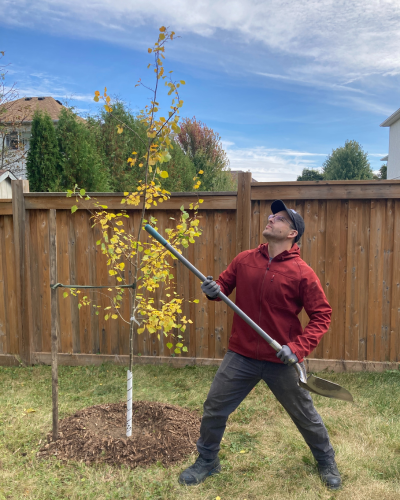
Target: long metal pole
(273, 343)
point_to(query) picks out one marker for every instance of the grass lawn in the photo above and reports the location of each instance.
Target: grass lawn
(276, 464)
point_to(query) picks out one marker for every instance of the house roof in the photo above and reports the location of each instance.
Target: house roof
(234, 174)
(392, 119)
(385, 158)
(6, 174)
(22, 110)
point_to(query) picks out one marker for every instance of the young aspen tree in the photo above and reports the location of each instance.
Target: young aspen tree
(150, 261)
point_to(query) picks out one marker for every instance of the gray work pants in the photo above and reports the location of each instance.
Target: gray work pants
(235, 378)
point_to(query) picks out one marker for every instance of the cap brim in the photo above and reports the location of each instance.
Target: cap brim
(279, 206)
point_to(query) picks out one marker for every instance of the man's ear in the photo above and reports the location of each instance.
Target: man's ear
(293, 233)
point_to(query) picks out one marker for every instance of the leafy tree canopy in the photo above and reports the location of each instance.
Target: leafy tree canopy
(349, 162)
(309, 174)
(203, 146)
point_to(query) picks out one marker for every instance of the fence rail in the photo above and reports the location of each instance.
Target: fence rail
(352, 241)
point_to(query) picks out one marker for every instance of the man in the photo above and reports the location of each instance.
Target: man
(273, 284)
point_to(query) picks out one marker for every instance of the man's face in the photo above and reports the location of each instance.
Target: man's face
(279, 228)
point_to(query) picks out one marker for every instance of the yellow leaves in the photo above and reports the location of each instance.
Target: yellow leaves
(111, 272)
(149, 51)
(119, 129)
(161, 36)
(30, 410)
(164, 174)
(201, 172)
(162, 29)
(183, 82)
(119, 223)
(107, 108)
(114, 316)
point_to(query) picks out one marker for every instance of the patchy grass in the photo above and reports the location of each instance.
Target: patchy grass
(263, 455)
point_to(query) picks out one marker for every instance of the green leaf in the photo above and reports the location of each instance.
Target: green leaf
(65, 295)
(79, 306)
(98, 242)
(169, 345)
(179, 345)
(171, 276)
(177, 351)
(182, 209)
(74, 209)
(82, 192)
(184, 349)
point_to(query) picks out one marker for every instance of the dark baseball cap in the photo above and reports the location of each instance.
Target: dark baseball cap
(297, 219)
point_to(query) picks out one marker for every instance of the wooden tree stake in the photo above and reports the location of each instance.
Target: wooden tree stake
(54, 319)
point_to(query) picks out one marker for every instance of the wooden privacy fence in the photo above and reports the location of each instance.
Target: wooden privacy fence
(352, 241)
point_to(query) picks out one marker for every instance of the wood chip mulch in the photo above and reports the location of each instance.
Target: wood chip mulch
(160, 433)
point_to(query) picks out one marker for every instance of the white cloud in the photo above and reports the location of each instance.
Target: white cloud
(270, 164)
(342, 40)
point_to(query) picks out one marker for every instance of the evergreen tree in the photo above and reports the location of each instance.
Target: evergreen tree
(383, 172)
(309, 174)
(348, 163)
(42, 158)
(80, 161)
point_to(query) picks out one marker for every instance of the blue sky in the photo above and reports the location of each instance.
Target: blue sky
(282, 81)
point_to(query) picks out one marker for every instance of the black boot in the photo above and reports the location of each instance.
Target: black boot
(199, 471)
(330, 475)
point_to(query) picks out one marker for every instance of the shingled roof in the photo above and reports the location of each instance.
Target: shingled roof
(22, 110)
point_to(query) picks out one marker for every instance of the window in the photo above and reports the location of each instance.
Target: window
(12, 140)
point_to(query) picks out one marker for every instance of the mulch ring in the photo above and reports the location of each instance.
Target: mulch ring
(160, 433)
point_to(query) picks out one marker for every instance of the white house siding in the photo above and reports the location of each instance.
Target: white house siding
(393, 165)
(5, 189)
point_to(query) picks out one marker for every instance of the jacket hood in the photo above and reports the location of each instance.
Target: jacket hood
(286, 255)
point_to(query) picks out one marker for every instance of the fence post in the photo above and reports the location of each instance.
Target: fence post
(243, 212)
(22, 270)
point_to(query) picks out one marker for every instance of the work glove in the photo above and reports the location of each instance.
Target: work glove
(286, 356)
(210, 288)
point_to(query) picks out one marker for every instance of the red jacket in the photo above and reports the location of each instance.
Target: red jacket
(273, 294)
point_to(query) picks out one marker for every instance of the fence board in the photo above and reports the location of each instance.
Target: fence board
(220, 264)
(374, 335)
(10, 273)
(3, 294)
(387, 280)
(394, 346)
(63, 276)
(320, 265)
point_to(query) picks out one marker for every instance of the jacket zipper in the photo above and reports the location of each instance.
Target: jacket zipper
(259, 316)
